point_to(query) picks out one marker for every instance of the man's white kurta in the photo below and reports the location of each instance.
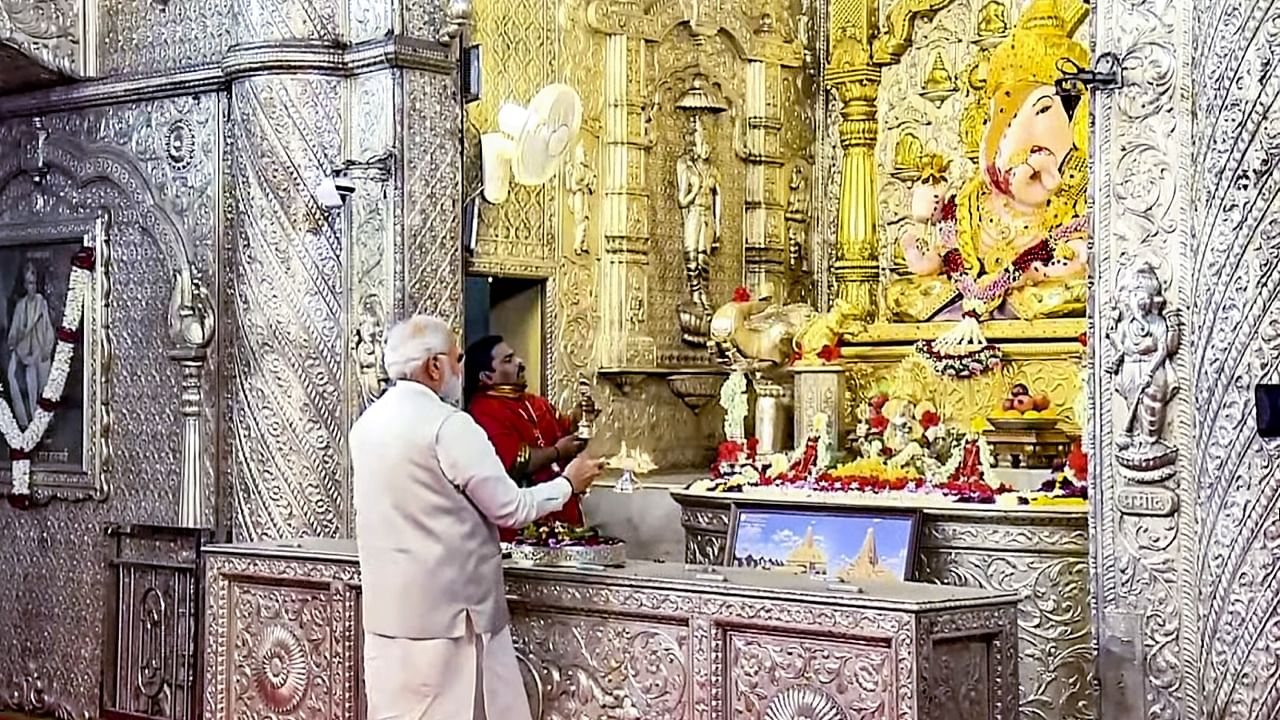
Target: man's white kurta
(429, 493)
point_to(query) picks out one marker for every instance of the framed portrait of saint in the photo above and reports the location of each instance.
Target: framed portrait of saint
(52, 356)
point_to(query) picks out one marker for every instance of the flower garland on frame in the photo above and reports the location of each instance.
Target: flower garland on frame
(23, 441)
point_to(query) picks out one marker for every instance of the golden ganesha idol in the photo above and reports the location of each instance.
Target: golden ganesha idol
(1013, 242)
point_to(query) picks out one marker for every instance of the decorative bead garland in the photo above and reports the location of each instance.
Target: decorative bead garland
(22, 441)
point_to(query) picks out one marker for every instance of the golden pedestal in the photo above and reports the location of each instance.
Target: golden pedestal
(1028, 449)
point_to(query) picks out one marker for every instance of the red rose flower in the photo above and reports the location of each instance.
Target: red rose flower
(1078, 462)
(947, 212)
(741, 295)
(19, 502)
(829, 353)
(878, 422)
(83, 258)
(1084, 339)
(16, 455)
(47, 405)
(886, 451)
(929, 419)
(67, 336)
(879, 401)
(752, 444)
(952, 262)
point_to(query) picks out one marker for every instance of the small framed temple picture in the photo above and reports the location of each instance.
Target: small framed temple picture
(839, 544)
(52, 310)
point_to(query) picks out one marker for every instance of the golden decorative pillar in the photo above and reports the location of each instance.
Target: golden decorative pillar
(765, 258)
(856, 269)
(858, 50)
(625, 210)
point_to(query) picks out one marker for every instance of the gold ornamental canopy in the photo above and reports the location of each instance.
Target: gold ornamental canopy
(701, 97)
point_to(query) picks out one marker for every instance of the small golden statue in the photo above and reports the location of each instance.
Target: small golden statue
(993, 22)
(580, 182)
(756, 333)
(938, 83)
(1014, 241)
(906, 156)
(698, 195)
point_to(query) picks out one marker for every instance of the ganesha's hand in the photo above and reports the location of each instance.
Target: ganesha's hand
(926, 201)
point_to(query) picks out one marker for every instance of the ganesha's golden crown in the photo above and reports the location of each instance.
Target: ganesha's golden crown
(1041, 39)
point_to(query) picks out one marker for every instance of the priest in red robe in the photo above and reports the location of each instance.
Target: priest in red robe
(533, 439)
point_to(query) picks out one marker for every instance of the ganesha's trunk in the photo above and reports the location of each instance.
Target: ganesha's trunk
(1045, 165)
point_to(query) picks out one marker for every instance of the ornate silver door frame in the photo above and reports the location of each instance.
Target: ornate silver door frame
(1184, 558)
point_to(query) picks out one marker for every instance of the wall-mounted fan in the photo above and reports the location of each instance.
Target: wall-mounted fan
(532, 142)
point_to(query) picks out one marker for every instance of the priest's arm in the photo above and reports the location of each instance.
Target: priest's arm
(522, 459)
(471, 464)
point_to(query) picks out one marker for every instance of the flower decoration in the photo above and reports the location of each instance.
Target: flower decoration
(933, 168)
(829, 353)
(960, 365)
(741, 295)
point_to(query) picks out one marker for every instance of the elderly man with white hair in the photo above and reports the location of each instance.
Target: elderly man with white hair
(430, 494)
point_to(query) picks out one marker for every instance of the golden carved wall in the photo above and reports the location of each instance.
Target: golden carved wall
(613, 303)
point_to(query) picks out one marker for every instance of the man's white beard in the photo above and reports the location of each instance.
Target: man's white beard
(451, 391)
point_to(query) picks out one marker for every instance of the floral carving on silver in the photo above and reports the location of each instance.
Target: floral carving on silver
(180, 143)
(282, 674)
(804, 703)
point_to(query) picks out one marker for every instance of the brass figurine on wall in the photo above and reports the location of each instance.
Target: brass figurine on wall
(699, 198)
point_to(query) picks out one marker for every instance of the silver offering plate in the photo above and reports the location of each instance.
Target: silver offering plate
(571, 556)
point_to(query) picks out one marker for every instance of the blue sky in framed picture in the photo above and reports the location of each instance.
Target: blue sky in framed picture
(846, 546)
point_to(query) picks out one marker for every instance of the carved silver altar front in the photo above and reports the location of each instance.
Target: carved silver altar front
(654, 643)
(1040, 556)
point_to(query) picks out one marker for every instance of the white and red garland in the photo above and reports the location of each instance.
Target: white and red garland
(22, 441)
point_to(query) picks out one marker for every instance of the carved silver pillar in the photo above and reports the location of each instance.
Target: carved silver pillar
(312, 288)
(1145, 560)
(1230, 278)
(191, 323)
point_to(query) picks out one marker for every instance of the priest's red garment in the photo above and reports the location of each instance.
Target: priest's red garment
(518, 422)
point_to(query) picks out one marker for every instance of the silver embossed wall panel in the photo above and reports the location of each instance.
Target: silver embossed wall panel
(152, 37)
(284, 334)
(257, 21)
(1145, 544)
(1233, 263)
(154, 166)
(432, 194)
(49, 30)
